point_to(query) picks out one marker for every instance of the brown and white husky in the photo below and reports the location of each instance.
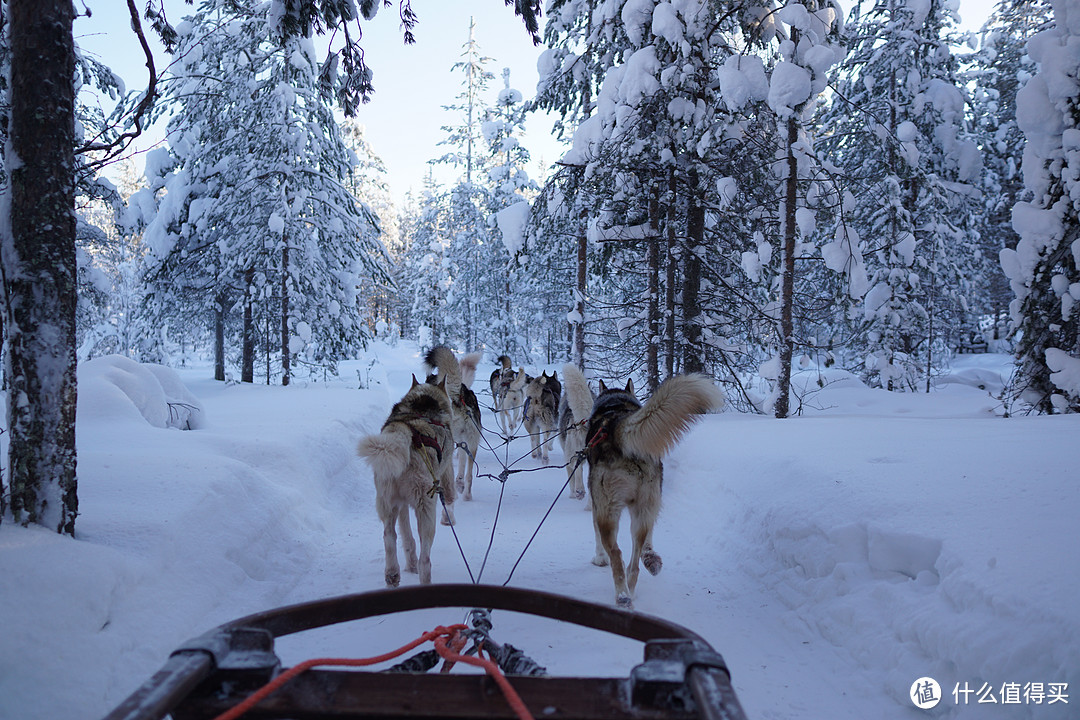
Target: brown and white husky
(410, 460)
(541, 412)
(625, 442)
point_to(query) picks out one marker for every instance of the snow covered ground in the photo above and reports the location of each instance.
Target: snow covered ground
(832, 558)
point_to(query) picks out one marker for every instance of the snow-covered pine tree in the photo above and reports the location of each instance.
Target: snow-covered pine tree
(1044, 269)
(425, 268)
(256, 213)
(510, 189)
(996, 70)
(111, 272)
(583, 41)
(368, 184)
(470, 302)
(905, 140)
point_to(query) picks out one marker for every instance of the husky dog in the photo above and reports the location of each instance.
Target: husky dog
(411, 462)
(500, 380)
(542, 411)
(624, 444)
(575, 407)
(513, 401)
(459, 375)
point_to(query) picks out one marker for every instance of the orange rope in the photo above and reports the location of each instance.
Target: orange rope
(512, 698)
(275, 684)
(439, 636)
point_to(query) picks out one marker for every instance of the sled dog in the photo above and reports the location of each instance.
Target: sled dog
(442, 364)
(500, 380)
(575, 407)
(410, 460)
(513, 402)
(624, 444)
(541, 411)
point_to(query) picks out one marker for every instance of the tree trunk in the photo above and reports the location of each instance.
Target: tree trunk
(247, 354)
(669, 291)
(693, 360)
(39, 267)
(787, 282)
(579, 295)
(269, 343)
(285, 313)
(219, 336)
(652, 327)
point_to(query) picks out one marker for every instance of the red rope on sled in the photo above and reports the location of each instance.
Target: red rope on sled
(512, 698)
(439, 636)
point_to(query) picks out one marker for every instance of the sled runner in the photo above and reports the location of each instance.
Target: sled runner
(681, 675)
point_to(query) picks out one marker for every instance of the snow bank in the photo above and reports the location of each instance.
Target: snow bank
(116, 386)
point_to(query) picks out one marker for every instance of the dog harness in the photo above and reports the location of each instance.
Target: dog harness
(420, 440)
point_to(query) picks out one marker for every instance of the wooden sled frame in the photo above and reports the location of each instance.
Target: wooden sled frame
(681, 676)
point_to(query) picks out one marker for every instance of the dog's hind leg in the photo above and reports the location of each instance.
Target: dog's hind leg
(573, 471)
(607, 528)
(641, 527)
(393, 570)
(425, 527)
(448, 515)
(600, 558)
(448, 496)
(408, 542)
(470, 466)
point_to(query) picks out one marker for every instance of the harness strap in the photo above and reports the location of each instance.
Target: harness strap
(420, 440)
(598, 437)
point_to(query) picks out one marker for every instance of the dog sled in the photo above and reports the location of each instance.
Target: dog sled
(218, 674)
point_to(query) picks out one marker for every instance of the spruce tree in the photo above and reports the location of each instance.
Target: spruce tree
(1044, 270)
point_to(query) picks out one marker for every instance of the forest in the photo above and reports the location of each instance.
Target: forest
(747, 187)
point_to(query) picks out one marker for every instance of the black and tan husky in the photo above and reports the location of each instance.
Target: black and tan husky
(624, 443)
(410, 460)
(541, 414)
(459, 375)
(508, 394)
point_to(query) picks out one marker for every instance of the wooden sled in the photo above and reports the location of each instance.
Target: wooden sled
(681, 675)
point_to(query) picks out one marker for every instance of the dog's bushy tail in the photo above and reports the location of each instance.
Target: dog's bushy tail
(576, 390)
(443, 359)
(468, 365)
(387, 453)
(652, 430)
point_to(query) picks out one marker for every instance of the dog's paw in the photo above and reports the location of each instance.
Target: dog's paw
(652, 562)
(393, 579)
(600, 560)
(623, 601)
(467, 496)
(460, 483)
(446, 520)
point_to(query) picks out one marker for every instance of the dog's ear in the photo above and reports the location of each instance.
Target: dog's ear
(630, 386)
(414, 383)
(603, 387)
(554, 374)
